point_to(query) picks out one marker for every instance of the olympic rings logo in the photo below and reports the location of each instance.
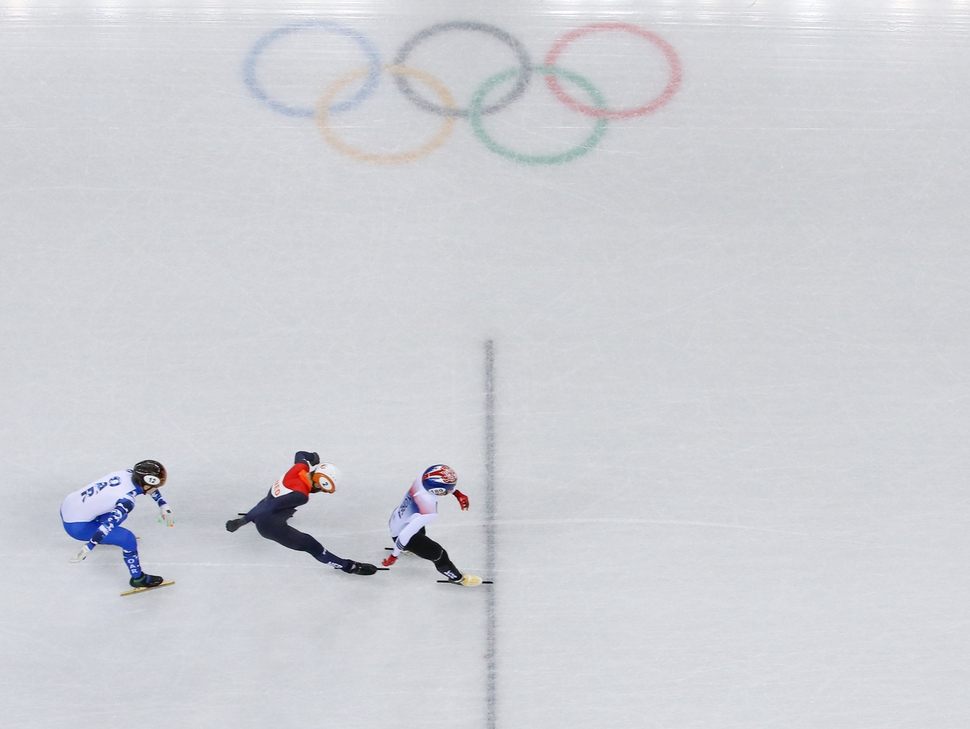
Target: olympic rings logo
(337, 99)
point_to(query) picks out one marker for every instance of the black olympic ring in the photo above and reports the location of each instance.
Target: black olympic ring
(525, 66)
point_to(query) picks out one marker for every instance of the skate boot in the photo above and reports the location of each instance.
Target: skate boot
(361, 568)
(467, 581)
(146, 580)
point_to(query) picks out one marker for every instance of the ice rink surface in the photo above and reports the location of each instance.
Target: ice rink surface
(720, 249)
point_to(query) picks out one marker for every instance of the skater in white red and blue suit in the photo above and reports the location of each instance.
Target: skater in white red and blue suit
(418, 509)
(307, 476)
(94, 514)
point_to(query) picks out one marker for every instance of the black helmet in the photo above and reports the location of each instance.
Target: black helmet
(148, 474)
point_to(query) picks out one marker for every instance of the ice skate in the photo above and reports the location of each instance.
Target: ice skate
(361, 568)
(146, 580)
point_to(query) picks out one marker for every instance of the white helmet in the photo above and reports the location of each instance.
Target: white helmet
(324, 477)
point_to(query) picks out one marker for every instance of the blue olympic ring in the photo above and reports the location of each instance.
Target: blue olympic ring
(309, 112)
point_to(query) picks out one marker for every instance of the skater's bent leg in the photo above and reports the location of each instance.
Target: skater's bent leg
(279, 531)
(121, 537)
(81, 530)
(118, 537)
(282, 533)
(423, 546)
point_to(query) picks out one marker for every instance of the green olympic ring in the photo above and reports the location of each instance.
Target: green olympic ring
(475, 117)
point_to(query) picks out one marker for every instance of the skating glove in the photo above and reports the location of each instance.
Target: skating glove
(462, 499)
(391, 559)
(233, 524)
(165, 515)
(83, 554)
(311, 459)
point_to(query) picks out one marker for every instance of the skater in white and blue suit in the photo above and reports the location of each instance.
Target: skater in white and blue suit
(418, 509)
(93, 515)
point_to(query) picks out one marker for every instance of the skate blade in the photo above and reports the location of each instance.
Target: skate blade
(470, 583)
(147, 589)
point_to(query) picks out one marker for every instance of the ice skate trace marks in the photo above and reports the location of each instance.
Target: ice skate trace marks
(482, 103)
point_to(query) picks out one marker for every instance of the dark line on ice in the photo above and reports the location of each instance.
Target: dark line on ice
(490, 697)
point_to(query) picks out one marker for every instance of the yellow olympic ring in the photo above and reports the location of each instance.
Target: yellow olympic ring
(323, 118)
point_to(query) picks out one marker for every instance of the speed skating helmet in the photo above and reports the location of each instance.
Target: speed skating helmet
(324, 477)
(148, 475)
(439, 480)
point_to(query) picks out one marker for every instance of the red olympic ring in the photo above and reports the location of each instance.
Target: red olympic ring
(668, 51)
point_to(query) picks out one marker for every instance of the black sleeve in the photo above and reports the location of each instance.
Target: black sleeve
(311, 459)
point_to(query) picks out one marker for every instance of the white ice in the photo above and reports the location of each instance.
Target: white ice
(731, 365)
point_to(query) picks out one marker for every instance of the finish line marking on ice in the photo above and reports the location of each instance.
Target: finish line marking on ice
(490, 698)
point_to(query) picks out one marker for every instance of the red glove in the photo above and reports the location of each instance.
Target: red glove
(391, 559)
(462, 499)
